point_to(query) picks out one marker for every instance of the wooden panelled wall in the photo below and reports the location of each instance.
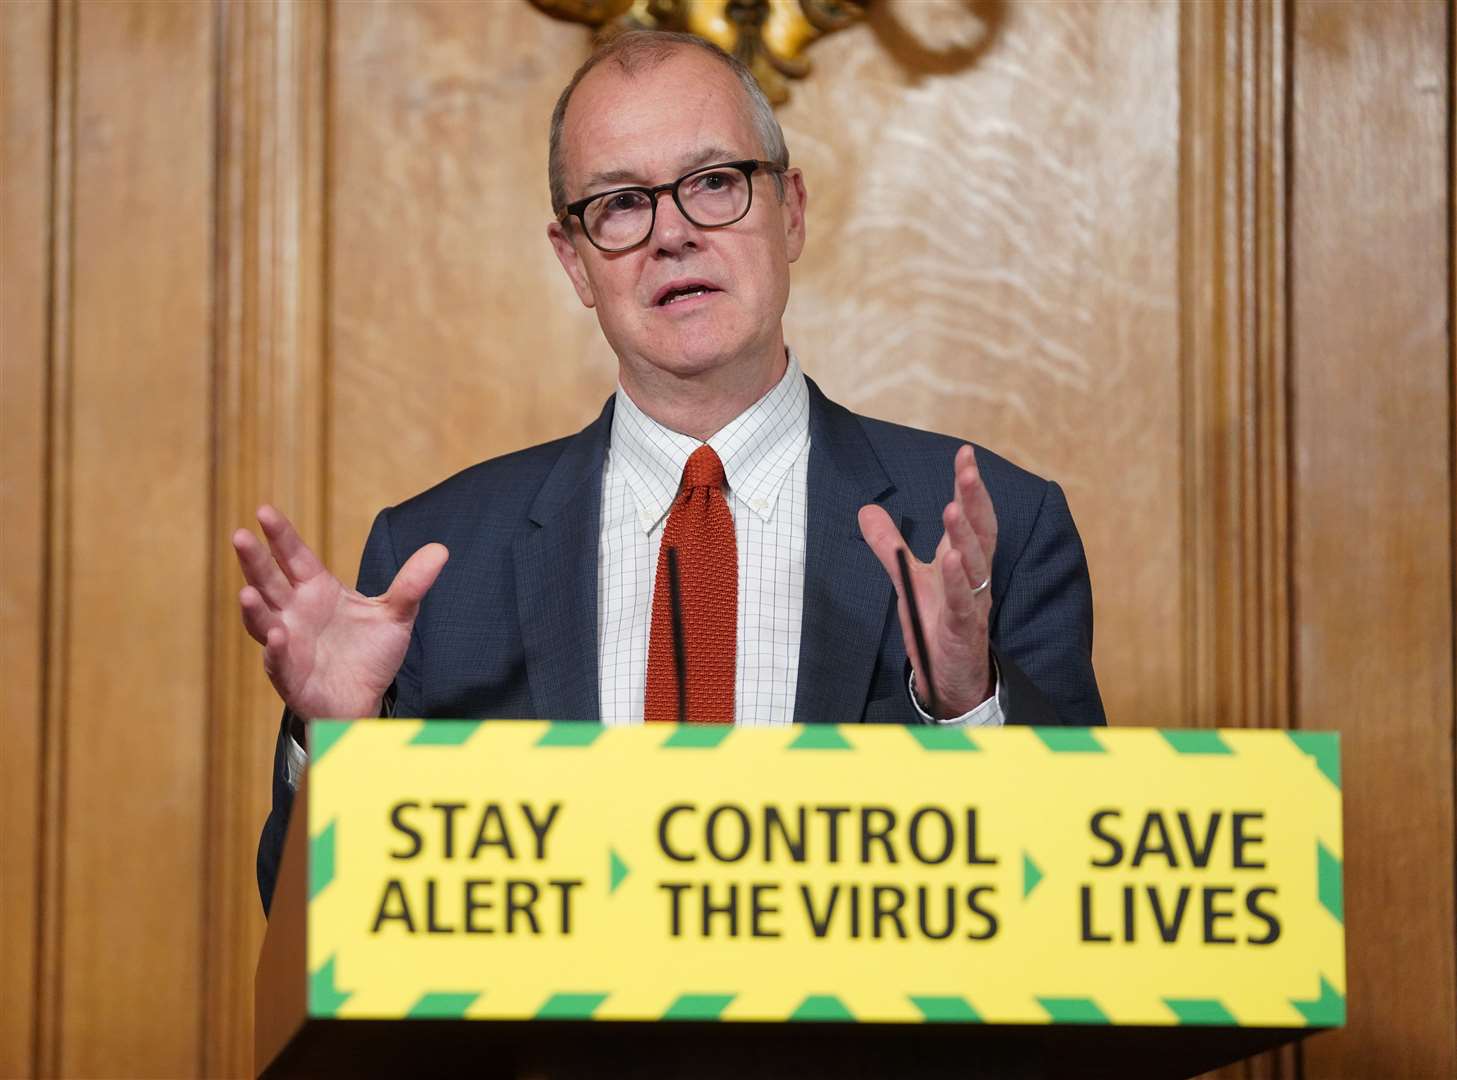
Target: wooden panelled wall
(1194, 261)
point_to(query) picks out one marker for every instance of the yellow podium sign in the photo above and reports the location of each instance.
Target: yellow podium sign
(534, 870)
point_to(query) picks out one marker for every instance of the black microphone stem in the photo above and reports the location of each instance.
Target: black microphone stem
(918, 632)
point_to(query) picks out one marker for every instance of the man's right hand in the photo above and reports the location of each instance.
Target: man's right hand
(329, 650)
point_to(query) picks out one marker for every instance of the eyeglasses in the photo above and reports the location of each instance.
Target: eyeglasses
(710, 198)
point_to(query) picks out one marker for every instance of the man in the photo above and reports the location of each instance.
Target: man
(717, 463)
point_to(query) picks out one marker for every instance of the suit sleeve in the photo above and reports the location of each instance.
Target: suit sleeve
(377, 569)
(1042, 632)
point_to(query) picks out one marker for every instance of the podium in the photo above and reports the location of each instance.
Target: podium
(554, 899)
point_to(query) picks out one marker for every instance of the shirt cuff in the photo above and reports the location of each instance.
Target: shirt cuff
(295, 760)
(295, 757)
(987, 714)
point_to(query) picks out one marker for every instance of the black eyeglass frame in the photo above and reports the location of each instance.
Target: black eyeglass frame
(748, 167)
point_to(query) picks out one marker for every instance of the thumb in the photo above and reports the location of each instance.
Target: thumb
(884, 539)
(414, 581)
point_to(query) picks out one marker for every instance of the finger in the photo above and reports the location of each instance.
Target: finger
(965, 459)
(965, 543)
(275, 649)
(259, 569)
(294, 557)
(885, 540)
(960, 600)
(975, 503)
(414, 581)
(258, 617)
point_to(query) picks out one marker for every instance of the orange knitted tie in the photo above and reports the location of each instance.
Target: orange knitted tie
(701, 529)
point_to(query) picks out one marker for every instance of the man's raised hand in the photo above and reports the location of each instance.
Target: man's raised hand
(328, 650)
(953, 612)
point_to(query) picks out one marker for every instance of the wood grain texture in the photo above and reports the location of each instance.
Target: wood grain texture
(454, 335)
(1233, 342)
(1372, 483)
(269, 443)
(26, 31)
(136, 543)
(52, 835)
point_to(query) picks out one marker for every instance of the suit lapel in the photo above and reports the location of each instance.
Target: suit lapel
(556, 579)
(847, 594)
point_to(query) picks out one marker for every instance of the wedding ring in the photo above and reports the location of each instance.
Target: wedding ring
(982, 586)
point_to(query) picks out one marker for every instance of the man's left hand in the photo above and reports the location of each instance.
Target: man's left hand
(953, 612)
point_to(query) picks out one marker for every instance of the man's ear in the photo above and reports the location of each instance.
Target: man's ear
(566, 253)
(792, 208)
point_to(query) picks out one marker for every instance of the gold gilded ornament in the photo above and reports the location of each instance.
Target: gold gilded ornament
(769, 36)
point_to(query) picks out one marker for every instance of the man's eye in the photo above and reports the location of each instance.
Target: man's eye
(710, 182)
(621, 203)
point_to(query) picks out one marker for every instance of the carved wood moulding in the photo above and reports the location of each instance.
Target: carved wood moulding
(269, 416)
(1234, 152)
(769, 36)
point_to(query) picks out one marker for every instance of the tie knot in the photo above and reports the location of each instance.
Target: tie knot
(703, 469)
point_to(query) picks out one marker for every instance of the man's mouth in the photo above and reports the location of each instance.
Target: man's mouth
(685, 291)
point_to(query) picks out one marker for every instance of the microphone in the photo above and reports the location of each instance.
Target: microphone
(917, 631)
(679, 655)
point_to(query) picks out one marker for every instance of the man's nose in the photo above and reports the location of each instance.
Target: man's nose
(671, 229)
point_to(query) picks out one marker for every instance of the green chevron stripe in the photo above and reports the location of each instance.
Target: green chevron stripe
(440, 1004)
(698, 1006)
(570, 1006)
(945, 1010)
(1070, 740)
(324, 996)
(323, 734)
(1072, 1010)
(697, 736)
(1031, 875)
(444, 732)
(1325, 747)
(820, 737)
(1328, 1010)
(941, 737)
(570, 733)
(617, 871)
(321, 859)
(1201, 1011)
(822, 1006)
(1196, 741)
(1329, 888)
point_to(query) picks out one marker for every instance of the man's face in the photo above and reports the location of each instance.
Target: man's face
(648, 129)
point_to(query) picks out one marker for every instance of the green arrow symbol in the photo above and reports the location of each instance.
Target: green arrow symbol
(617, 870)
(1031, 875)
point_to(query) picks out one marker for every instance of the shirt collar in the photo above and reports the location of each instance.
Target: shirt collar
(758, 449)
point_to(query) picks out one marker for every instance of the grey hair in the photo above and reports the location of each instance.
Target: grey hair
(641, 50)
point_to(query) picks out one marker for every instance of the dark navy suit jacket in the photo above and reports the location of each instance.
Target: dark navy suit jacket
(510, 628)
